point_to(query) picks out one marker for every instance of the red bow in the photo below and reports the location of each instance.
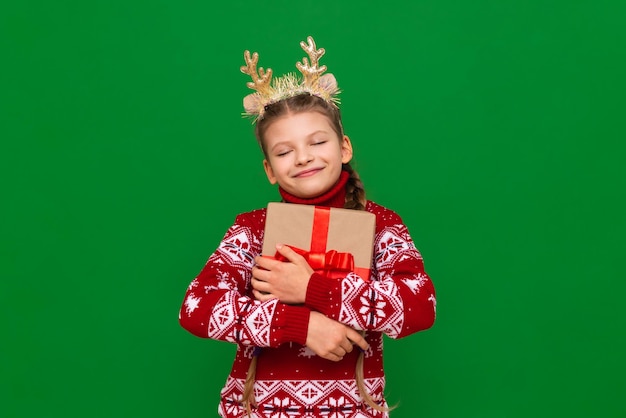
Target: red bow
(324, 263)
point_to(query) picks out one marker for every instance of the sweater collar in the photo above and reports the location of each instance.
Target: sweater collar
(334, 198)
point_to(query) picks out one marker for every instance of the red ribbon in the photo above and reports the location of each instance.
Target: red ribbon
(322, 261)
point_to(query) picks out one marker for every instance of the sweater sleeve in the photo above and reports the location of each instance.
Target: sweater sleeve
(400, 298)
(218, 303)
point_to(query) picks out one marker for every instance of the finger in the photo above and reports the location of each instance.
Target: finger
(260, 274)
(339, 352)
(260, 285)
(288, 253)
(347, 346)
(262, 296)
(358, 339)
(294, 258)
(332, 357)
(266, 263)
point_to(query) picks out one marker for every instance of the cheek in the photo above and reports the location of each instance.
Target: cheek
(279, 165)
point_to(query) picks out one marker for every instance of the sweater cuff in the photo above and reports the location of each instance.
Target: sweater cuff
(291, 324)
(319, 294)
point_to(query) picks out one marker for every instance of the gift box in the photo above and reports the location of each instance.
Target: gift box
(334, 241)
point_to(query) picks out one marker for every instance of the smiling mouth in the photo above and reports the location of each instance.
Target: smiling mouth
(307, 173)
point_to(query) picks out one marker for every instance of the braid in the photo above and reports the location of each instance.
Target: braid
(248, 391)
(355, 199)
(355, 193)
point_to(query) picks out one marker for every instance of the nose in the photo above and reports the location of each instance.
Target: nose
(303, 156)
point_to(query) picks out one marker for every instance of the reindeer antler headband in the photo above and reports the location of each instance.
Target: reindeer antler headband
(289, 85)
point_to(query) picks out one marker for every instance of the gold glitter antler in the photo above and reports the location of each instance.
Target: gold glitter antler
(261, 81)
(268, 91)
(311, 73)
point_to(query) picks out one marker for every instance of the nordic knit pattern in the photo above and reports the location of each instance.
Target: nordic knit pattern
(291, 381)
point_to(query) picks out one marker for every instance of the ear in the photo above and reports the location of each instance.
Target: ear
(346, 150)
(328, 83)
(252, 103)
(269, 172)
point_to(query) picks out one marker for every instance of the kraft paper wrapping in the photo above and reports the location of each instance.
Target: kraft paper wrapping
(349, 231)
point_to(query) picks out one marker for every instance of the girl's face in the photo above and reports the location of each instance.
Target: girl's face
(304, 154)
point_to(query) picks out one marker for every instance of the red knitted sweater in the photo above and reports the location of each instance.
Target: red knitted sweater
(291, 381)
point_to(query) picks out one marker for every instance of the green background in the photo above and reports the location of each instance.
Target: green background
(494, 128)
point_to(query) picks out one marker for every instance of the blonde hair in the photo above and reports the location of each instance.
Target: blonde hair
(355, 199)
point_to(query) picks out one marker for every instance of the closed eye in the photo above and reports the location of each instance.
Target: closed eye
(282, 154)
(320, 142)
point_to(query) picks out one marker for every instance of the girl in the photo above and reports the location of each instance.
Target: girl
(308, 346)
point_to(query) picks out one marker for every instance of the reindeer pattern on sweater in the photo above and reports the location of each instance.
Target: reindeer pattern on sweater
(291, 381)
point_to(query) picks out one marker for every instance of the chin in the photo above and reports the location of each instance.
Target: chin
(307, 194)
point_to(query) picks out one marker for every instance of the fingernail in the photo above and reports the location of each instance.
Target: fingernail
(279, 246)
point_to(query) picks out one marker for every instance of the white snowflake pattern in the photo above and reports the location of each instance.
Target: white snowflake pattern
(283, 408)
(389, 245)
(372, 310)
(233, 408)
(237, 248)
(310, 392)
(191, 303)
(334, 405)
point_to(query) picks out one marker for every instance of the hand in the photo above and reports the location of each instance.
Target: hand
(284, 280)
(330, 339)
